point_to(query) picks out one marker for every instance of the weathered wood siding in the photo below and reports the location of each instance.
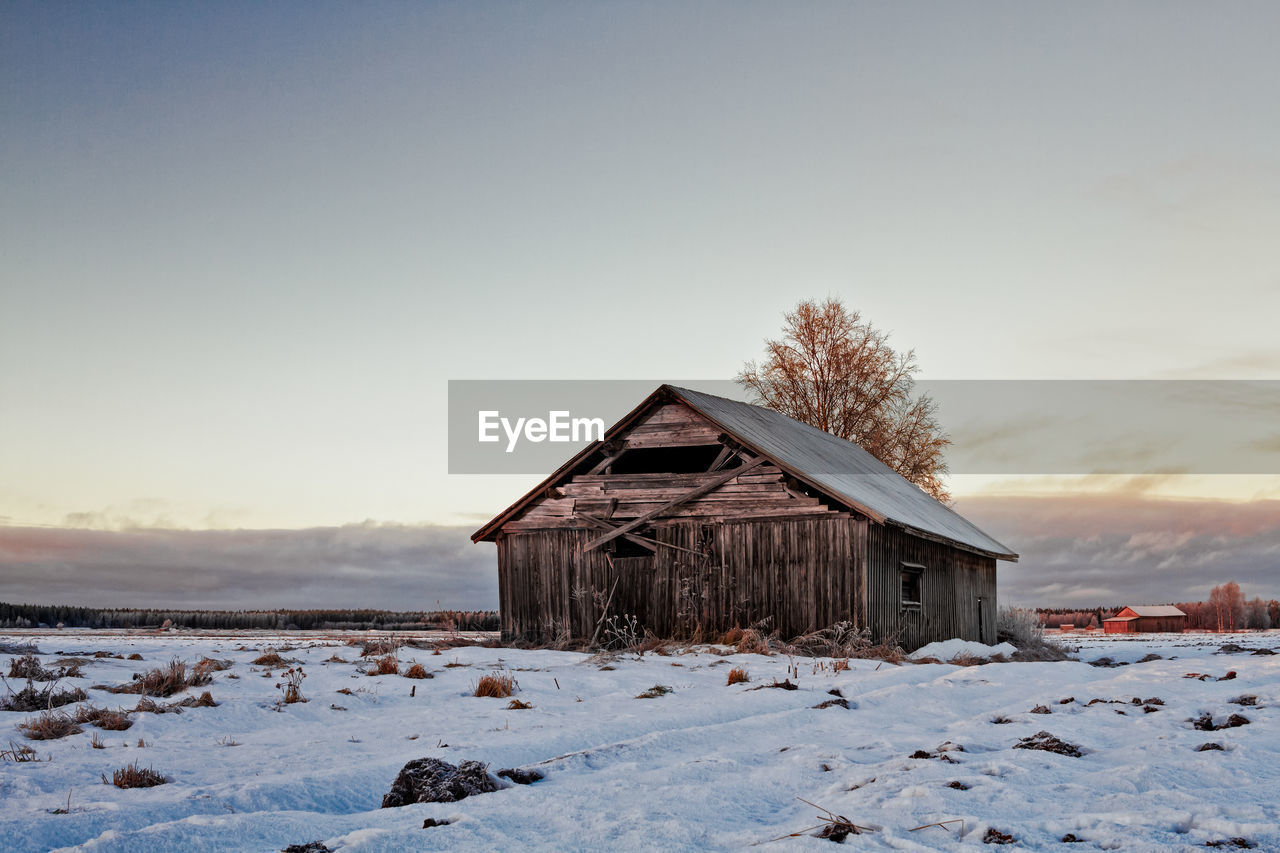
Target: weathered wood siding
(957, 590)
(757, 493)
(759, 546)
(802, 573)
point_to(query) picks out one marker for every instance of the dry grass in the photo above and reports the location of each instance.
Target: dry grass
(18, 753)
(753, 642)
(496, 685)
(655, 644)
(654, 692)
(738, 675)
(112, 721)
(385, 665)
(336, 659)
(731, 637)
(213, 665)
(417, 671)
(147, 705)
(135, 656)
(164, 681)
(834, 827)
(517, 705)
(134, 776)
(204, 700)
(842, 640)
(31, 699)
(50, 725)
(379, 648)
(97, 742)
(269, 659)
(28, 667)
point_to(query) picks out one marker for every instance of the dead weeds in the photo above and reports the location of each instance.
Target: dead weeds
(135, 776)
(496, 685)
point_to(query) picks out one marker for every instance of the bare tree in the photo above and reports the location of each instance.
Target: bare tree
(1257, 616)
(838, 373)
(1227, 603)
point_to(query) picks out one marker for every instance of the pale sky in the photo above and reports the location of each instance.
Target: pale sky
(244, 246)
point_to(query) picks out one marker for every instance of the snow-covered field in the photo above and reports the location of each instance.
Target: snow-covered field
(707, 766)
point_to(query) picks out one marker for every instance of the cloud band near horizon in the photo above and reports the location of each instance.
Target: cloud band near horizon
(1076, 551)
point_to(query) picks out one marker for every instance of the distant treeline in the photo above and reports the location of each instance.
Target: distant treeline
(49, 616)
(1226, 610)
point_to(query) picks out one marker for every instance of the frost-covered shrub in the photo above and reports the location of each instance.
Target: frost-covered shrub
(1022, 628)
(1019, 626)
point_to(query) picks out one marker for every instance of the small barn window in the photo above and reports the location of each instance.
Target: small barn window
(911, 573)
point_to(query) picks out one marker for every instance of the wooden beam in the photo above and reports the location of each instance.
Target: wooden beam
(605, 612)
(670, 505)
(606, 462)
(647, 541)
(605, 525)
(721, 458)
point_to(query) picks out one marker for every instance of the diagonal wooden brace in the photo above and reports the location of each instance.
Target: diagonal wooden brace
(613, 525)
(692, 494)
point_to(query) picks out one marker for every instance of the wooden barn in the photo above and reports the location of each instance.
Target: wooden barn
(698, 513)
(1145, 619)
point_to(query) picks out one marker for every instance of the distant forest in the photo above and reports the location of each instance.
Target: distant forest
(1226, 610)
(49, 616)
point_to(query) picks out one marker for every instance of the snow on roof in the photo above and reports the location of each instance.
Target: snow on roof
(841, 468)
(1156, 610)
(1120, 619)
(832, 465)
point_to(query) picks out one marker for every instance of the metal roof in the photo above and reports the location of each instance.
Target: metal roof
(1156, 610)
(840, 468)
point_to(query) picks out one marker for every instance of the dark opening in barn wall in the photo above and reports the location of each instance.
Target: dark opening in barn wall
(667, 460)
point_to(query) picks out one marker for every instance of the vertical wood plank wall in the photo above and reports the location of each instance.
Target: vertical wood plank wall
(804, 574)
(950, 586)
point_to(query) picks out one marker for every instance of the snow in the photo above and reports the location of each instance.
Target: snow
(948, 650)
(708, 766)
